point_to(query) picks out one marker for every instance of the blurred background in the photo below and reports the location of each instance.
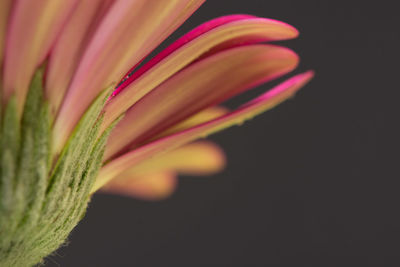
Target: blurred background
(314, 181)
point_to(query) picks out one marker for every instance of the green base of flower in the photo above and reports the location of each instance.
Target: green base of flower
(42, 199)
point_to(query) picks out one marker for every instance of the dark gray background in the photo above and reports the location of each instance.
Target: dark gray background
(314, 181)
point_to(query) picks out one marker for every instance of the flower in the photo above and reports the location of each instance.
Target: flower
(82, 112)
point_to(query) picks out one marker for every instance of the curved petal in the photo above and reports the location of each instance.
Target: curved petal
(129, 31)
(32, 30)
(266, 101)
(199, 158)
(201, 85)
(5, 8)
(209, 38)
(199, 118)
(133, 74)
(154, 186)
(69, 47)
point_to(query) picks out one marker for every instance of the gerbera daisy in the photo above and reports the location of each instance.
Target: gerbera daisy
(83, 108)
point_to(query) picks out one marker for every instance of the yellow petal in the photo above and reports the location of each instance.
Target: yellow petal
(154, 186)
(129, 31)
(199, 158)
(199, 86)
(266, 101)
(33, 27)
(201, 117)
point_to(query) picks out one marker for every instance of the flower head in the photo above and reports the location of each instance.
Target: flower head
(107, 121)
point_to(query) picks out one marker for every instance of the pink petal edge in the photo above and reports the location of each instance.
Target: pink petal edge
(260, 104)
(188, 37)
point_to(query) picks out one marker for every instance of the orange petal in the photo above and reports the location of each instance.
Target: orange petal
(266, 101)
(211, 37)
(199, 158)
(129, 31)
(32, 30)
(199, 86)
(154, 186)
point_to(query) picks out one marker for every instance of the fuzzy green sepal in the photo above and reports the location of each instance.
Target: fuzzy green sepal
(42, 198)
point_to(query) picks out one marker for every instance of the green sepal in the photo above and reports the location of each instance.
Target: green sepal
(44, 196)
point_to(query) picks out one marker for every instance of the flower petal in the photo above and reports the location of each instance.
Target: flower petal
(70, 46)
(129, 31)
(32, 30)
(199, 118)
(154, 179)
(199, 86)
(266, 101)
(133, 74)
(209, 38)
(5, 7)
(154, 186)
(199, 158)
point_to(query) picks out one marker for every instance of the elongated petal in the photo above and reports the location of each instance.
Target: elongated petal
(154, 186)
(69, 47)
(266, 101)
(199, 86)
(5, 7)
(154, 179)
(196, 32)
(130, 30)
(199, 118)
(33, 28)
(199, 158)
(209, 38)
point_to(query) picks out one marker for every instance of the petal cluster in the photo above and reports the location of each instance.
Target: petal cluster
(167, 103)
